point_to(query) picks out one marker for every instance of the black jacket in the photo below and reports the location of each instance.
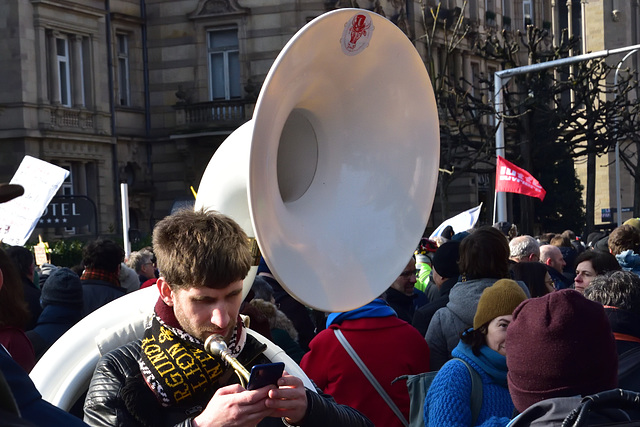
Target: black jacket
(32, 297)
(626, 323)
(119, 396)
(403, 304)
(96, 293)
(422, 316)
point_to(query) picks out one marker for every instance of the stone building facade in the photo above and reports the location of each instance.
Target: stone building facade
(610, 25)
(144, 91)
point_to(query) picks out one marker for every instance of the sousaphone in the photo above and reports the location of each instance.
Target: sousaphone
(334, 176)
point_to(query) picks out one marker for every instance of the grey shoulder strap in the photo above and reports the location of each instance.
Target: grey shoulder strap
(476, 392)
(367, 373)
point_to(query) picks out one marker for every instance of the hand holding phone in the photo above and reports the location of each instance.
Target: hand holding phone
(263, 375)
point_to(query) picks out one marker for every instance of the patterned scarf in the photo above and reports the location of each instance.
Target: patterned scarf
(98, 274)
(175, 365)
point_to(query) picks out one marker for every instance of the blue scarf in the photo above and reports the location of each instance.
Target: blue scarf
(490, 361)
(376, 308)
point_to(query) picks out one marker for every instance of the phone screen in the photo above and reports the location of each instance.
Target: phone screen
(262, 375)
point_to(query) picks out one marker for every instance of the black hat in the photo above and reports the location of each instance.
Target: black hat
(503, 226)
(10, 192)
(602, 245)
(445, 260)
(63, 287)
(593, 238)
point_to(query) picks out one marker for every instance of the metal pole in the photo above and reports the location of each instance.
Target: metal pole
(500, 202)
(124, 194)
(500, 76)
(618, 190)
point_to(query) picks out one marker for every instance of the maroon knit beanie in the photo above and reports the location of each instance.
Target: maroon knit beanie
(559, 345)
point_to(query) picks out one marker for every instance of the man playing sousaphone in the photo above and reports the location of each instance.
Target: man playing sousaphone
(167, 378)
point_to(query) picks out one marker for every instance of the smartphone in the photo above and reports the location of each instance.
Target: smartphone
(262, 375)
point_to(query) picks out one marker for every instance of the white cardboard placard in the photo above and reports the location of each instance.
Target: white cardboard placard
(18, 217)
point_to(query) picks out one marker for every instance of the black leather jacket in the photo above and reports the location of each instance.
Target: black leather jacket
(118, 396)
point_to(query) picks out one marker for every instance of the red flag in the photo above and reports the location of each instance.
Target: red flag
(512, 179)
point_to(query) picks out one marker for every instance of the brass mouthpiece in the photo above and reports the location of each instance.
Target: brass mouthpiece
(216, 346)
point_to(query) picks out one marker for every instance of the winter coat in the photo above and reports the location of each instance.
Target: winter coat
(32, 407)
(449, 322)
(54, 321)
(626, 327)
(423, 315)
(117, 391)
(629, 261)
(16, 342)
(405, 305)
(32, 297)
(96, 293)
(552, 412)
(560, 281)
(448, 401)
(388, 346)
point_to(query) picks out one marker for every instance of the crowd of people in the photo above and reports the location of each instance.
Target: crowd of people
(519, 329)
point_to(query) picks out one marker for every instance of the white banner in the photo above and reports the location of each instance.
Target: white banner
(461, 222)
(18, 217)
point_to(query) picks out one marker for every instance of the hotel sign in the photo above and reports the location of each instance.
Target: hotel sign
(68, 211)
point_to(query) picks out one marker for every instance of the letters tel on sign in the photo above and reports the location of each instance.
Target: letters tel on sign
(68, 211)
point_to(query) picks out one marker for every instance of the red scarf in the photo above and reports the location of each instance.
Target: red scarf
(99, 274)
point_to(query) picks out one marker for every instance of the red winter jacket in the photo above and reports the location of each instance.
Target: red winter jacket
(390, 347)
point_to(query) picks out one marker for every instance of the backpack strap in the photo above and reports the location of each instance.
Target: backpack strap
(476, 392)
(367, 373)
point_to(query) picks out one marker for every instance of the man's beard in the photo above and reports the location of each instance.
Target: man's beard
(202, 332)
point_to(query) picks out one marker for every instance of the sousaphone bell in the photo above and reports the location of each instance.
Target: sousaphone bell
(335, 175)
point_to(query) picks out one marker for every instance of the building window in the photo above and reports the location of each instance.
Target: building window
(66, 69)
(489, 5)
(224, 64)
(473, 10)
(124, 93)
(527, 12)
(506, 14)
(64, 80)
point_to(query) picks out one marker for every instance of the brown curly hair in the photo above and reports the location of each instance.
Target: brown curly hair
(484, 254)
(277, 319)
(201, 249)
(623, 238)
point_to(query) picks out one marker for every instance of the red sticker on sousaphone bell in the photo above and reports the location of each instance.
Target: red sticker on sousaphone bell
(357, 34)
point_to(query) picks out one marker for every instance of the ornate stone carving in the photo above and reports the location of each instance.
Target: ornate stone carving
(212, 7)
(208, 8)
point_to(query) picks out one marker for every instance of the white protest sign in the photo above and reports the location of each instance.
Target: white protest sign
(18, 217)
(461, 222)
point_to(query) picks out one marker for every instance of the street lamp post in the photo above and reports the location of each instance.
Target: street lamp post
(618, 191)
(502, 77)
